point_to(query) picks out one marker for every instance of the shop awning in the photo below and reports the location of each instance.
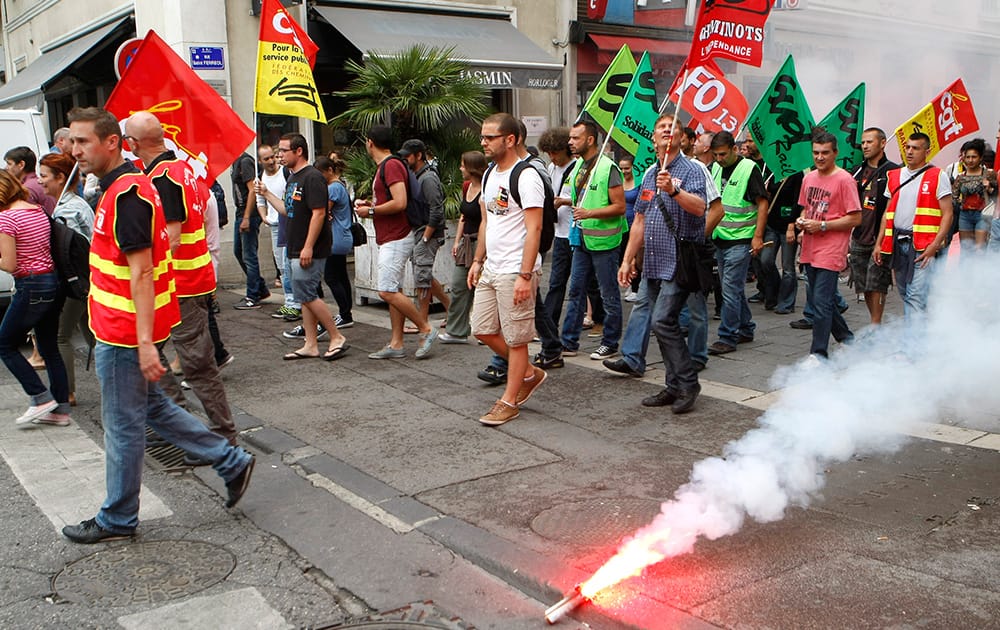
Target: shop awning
(26, 88)
(500, 56)
(609, 45)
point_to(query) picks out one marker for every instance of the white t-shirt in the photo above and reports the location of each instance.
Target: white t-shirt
(276, 184)
(711, 191)
(906, 207)
(565, 213)
(505, 229)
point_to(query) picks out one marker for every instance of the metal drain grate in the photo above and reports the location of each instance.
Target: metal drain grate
(163, 455)
(410, 617)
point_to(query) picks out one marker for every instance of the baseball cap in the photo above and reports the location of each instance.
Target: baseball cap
(411, 146)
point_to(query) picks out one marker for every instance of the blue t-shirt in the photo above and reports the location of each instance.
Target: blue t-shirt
(340, 209)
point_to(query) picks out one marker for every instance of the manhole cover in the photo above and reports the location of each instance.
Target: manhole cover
(595, 522)
(144, 573)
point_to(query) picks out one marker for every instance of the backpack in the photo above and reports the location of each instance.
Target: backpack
(549, 214)
(417, 212)
(71, 255)
(220, 202)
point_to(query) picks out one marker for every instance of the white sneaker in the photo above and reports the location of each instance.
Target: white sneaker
(36, 411)
(631, 296)
(446, 338)
(54, 419)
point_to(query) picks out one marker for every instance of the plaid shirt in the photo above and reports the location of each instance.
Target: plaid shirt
(660, 253)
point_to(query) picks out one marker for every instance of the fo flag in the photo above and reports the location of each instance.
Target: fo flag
(285, 57)
(607, 97)
(846, 123)
(945, 119)
(730, 29)
(710, 98)
(633, 126)
(199, 126)
(782, 124)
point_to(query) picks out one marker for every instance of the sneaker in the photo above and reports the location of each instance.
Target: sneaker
(36, 411)
(631, 296)
(342, 322)
(300, 333)
(426, 343)
(446, 338)
(603, 352)
(293, 315)
(54, 419)
(801, 324)
(89, 532)
(185, 385)
(566, 352)
(546, 363)
(587, 323)
(596, 331)
(721, 347)
(492, 375)
(238, 486)
(528, 387)
(782, 311)
(246, 304)
(661, 399)
(622, 367)
(685, 400)
(226, 362)
(388, 353)
(500, 413)
(279, 313)
(756, 298)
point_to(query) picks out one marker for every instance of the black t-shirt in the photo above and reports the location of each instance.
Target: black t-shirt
(241, 173)
(472, 214)
(133, 216)
(304, 192)
(785, 203)
(871, 191)
(171, 194)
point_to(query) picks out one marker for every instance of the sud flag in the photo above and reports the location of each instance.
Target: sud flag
(782, 124)
(637, 116)
(607, 97)
(198, 124)
(730, 29)
(846, 123)
(285, 58)
(710, 98)
(945, 119)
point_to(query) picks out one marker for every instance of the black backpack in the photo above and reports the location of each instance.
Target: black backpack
(550, 215)
(417, 211)
(71, 255)
(220, 202)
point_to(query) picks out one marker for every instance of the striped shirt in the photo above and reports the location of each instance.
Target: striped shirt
(30, 229)
(660, 249)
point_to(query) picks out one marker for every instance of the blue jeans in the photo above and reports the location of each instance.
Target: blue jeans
(603, 265)
(36, 304)
(994, 244)
(914, 293)
(736, 319)
(697, 337)
(562, 259)
(826, 315)
(128, 402)
(635, 340)
(789, 284)
(668, 299)
(245, 250)
(809, 311)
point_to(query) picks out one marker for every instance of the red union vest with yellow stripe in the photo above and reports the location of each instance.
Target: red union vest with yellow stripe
(926, 221)
(112, 309)
(193, 270)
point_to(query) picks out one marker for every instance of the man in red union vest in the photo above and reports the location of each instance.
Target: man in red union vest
(133, 307)
(183, 202)
(916, 223)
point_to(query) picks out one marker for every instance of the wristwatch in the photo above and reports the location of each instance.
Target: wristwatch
(527, 275)
(822, 226)
(676, 192)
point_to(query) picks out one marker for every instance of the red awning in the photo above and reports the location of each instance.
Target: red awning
(609, 45)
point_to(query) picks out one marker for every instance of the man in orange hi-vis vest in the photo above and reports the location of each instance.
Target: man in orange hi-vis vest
(183, 202)
(133, 307)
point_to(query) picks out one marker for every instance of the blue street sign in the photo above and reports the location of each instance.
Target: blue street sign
(207, 58)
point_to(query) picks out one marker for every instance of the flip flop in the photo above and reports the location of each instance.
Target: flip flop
(296, 355)
(336, 353)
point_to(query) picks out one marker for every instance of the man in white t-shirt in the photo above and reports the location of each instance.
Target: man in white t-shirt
(555, 143)
(273, 178)
(506, 266)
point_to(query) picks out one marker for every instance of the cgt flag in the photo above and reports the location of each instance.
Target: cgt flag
(846, 123)
(637, 117)
(285, 57)
(781, 124)
(607, 97)
(945, 119)
(199, 126)
(730, 29)
(710, 98)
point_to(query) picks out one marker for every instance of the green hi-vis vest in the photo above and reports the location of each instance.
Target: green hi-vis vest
(598, 234)
(740, 219)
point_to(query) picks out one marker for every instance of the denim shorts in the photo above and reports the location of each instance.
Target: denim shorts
(974, 220)
(305, 282)
(392, 259)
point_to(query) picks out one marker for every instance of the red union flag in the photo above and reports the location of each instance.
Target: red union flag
(199, 125)
(596, 9)
(730, 29)
(945, 119)
(710, 98)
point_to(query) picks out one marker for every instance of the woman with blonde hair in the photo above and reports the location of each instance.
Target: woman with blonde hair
(25, 253)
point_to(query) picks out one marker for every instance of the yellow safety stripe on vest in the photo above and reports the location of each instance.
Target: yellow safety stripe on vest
(188, 264)
(120, 303)
(595, 232)
(121, 272)
(926, 229)
(193, 237)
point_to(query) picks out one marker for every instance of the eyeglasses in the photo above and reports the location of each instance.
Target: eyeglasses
(280, 150)
(491, 138)
(130, 139)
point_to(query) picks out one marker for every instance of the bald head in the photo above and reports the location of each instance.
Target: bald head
(145, 135)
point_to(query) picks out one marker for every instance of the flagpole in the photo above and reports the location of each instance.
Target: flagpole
(677, 110)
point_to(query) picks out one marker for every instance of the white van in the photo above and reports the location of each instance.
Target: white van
(19, 128)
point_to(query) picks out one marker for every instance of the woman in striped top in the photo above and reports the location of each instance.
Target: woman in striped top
(25, 253)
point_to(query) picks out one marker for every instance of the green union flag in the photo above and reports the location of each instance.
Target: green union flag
(633, 126)
(846, 123)
(781, 124)
(607, 97)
